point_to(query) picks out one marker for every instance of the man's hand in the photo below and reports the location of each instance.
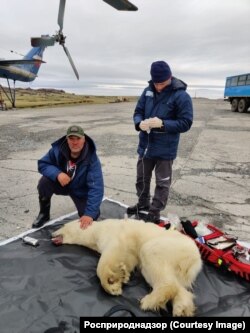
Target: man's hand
(63, 179)
(155, 122)
(144, 125)
(85, 221)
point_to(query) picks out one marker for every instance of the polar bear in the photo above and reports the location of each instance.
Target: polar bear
(168, 259)
(118, 242)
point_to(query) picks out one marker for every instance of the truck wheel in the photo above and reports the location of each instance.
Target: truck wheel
(234, 105)
(242, 106)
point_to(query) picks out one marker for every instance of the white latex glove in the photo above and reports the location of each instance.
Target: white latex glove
(144, 125)
(155, 122)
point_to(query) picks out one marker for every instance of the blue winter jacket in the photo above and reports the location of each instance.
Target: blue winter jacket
(88, 179)
(174, 107)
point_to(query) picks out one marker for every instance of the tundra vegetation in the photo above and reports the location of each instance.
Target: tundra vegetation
(31, 98)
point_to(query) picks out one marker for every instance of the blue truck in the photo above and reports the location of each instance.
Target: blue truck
(237, 92)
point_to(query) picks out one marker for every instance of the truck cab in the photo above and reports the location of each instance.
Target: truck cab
(237, 92)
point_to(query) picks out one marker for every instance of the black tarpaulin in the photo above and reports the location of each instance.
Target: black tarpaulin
(48, 286)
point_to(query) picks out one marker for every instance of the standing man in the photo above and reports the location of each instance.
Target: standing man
(163, 111)
(71, 167)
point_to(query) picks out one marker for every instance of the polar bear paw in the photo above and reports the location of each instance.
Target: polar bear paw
(125, 274)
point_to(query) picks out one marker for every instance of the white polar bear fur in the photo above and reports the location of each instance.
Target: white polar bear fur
(169, 260)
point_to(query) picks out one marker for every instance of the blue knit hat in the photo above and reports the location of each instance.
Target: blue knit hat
(160, 71)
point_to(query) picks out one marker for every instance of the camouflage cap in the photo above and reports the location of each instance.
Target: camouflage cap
(75, 130)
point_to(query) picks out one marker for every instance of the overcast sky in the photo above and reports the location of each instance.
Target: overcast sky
(203, 41)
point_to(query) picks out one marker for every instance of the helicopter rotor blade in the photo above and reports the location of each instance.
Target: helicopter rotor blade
(61, 14)
(121, 5)
(71, 61)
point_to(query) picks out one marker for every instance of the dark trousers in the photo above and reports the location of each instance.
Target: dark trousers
(46, 188)
(163, 178)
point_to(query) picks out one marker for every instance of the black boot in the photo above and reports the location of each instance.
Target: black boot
(136, 208)
(154, 218)
(44, 214)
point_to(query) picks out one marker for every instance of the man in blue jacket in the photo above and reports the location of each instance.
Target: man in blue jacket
(163, 111)
(71, 167)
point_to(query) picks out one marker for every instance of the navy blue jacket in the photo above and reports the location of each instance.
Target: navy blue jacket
(174, 107)
(88, 180)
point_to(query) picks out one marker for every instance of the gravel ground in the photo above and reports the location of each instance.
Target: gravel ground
(211, 174)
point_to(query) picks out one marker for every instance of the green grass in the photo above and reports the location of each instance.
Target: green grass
(31, 98)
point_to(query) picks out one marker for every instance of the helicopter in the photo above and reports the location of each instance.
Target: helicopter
(26, 69)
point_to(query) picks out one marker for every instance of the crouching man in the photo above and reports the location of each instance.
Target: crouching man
(72, 168)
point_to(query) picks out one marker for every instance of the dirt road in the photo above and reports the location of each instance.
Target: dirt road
(211, 178)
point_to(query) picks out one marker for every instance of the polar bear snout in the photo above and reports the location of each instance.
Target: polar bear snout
(57, 240)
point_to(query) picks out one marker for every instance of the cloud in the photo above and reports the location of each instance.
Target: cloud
(203, 41)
